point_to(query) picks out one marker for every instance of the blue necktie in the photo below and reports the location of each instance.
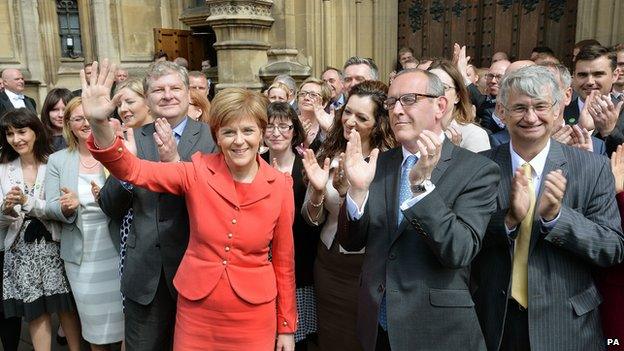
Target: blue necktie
(405, 193)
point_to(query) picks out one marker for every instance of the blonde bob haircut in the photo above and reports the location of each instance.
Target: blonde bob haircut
(70, 138)
(234, 104)
(325, 91)
(133, 84)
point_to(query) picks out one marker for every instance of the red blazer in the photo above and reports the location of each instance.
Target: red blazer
(227, 237)
(611, 285)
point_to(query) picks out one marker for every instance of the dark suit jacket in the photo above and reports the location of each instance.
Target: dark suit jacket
(563, 298)
(160, 229)
(6, 105)
(502, 137)
(612, 140)
(423, 264)
(485, 106)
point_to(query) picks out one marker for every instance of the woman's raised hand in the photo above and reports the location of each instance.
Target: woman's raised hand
(359, 173)
(317, 176)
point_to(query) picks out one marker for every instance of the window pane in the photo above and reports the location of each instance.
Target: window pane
(69, 27)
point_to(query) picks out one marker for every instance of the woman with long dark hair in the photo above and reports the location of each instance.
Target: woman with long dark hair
(52, 116)
(337, 271)
(34, 283)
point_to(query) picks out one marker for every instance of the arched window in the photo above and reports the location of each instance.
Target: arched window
(69, 28)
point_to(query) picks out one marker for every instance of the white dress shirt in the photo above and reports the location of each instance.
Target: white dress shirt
(16, 99)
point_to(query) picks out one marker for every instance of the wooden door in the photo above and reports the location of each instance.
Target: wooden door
(431, 27)
(179, 43)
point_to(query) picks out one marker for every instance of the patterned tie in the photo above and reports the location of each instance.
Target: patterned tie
(405, 193)
(520, 276)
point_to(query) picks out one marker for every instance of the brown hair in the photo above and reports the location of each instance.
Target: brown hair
(237, 103)
(381, 135)
(24, 118)
(200, 101)
(54, 96)
(283, 111)
(462, 110)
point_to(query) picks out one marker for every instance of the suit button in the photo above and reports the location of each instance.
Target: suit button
(414, 222)
(227, 249)
(392, 256)
(224, 262)
(230, 235)
(120, 149)
(284, 323)
(503, 292)
(234, 221)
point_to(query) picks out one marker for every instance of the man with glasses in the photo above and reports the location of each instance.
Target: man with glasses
(420, 210)
(486, 104)
(556, 220)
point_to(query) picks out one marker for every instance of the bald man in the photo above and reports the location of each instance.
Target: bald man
(485, 104)
(13, 95)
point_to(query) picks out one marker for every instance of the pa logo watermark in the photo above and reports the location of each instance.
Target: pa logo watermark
(613, 342)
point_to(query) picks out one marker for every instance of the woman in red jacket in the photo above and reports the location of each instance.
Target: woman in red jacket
(231, 297)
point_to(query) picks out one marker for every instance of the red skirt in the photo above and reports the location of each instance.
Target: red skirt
(223, 321)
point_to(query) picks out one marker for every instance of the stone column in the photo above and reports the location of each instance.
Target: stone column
(283, 54)
(600, 20)
(242, 28)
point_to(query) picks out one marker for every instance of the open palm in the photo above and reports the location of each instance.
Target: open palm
(96, 101)
(317, 176)
(359, 173)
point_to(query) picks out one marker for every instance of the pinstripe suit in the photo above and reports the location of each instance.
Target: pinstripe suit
(563, 299)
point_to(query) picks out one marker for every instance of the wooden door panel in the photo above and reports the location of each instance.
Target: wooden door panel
(431, 27)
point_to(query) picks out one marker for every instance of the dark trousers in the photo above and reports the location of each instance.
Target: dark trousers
(10, 328)
(516, 333)
(383, 343)
(150, 327)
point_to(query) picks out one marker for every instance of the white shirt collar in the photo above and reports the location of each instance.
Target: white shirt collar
(537, 163)
(407, 153)
(581, 103)
(12, 95)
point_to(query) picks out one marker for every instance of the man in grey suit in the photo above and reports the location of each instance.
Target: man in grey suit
(158, 236)
(421, 210)
(556, 220)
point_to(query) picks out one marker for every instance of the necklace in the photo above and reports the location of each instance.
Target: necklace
(88, 166)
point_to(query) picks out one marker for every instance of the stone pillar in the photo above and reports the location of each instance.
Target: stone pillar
(242, 28)
(600, 20)
(283, 54)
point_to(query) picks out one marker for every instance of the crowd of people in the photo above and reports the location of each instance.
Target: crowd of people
(453, 207)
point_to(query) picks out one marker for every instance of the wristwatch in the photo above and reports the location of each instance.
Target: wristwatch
(419, 188)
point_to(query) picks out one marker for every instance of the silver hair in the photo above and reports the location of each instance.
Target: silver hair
(338, 71)
(288, 81)
(563, 74)
(356, 60)
(530, 81)
(163, 68)
(434, 84)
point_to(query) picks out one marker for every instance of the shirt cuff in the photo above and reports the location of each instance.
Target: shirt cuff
(414, 200)
(547, 226)
(353, 212)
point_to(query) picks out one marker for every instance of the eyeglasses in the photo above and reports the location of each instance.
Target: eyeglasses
(78, 120)
(521, 110)
(491, 76)
(312, 94)
(447, 87)
(282, 127)
(406, 100)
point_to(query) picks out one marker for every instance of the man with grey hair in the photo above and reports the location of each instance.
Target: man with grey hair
(358, 69)
(292, 86)
(420, 210)
(157, 225)
(181, 61)
(556, 220)
(334, 78)
(12, 97)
